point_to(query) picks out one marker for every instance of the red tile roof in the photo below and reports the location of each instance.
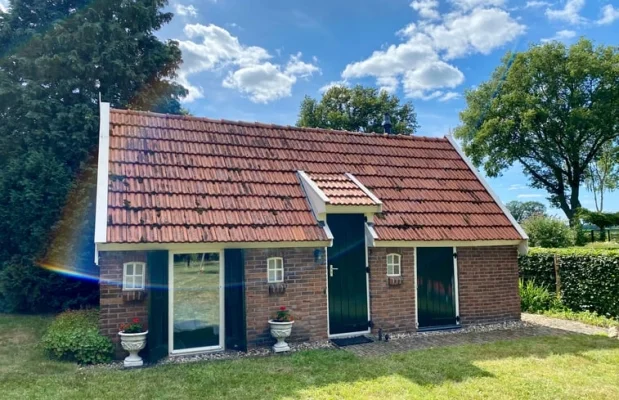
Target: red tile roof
(341, 190)
(187, 180)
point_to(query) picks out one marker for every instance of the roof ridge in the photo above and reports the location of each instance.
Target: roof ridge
(266, 125)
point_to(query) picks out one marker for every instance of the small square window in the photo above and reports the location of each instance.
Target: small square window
(275, 269)
(133, 276)
(394, 265)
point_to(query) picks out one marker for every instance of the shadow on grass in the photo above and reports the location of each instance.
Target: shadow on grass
(288, 376)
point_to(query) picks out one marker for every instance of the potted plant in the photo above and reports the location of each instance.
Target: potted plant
(281, 327)
(133, 339)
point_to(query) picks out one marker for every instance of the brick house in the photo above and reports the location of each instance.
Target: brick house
(204, 228)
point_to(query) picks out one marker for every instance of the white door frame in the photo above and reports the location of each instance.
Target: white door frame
(367, 290)
(456, 291)
(222, 319)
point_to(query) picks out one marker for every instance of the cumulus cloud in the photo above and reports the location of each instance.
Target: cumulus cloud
(185, 11)
(561, 35)
(249, 69)
(609, 15)
(569, 13)
(332, 84)
(537, 4)
(471, 4)
(426, 8)
(420, 62)
(449, 96)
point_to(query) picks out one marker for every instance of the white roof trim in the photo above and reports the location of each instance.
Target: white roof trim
(370, 235)
(481, 179)
(317, 198)
(365, 189)
(102, 173)
(446, 243)
(215, 246)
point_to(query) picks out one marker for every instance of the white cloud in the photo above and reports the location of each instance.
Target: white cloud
(429, 76)
(185, 11)
(471, 4)
(332, 84)
(296, 67)
(426, 8)
(561, 35)
(262, 82)
(482, 31)
(420, 62)
(536, 4)
(530, 196)
(449, 96)
(212, 48)
(609, 15)
(4, 5)
(570, 13)
(517, 186)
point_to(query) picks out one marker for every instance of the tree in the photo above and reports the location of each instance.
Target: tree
(550, 109)
(550, 232)
(600, 219)
(603, 174)
(56, 57)
(527, 209)
(357, 109)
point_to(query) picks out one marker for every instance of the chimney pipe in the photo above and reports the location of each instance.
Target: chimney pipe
(387, 123)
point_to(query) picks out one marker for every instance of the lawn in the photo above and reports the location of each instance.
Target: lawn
(566, 367)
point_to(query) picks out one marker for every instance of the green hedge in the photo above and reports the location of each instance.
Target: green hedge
(589, 277)
(74, 336)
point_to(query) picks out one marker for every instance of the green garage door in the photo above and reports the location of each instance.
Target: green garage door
(348, 301)
(436, 298)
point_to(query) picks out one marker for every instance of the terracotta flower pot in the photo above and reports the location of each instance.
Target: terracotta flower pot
(280, 331)
(133, 343)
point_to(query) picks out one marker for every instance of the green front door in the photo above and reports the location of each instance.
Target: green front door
(436, 288)
(346, 270)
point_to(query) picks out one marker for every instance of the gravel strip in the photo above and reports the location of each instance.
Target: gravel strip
(503, 326)
(224, 355)
(563, 324)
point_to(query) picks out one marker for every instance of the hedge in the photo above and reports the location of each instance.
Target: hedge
(589, 278)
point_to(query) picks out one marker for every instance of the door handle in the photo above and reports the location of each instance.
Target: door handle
(331, 269)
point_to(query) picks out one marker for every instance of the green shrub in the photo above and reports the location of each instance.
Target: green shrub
(535, 299)
(589, 277)
(74, 336)
(546, 231)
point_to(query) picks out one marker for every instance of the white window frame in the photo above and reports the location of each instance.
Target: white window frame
(134, 276)
(275, 269)
(393, 264)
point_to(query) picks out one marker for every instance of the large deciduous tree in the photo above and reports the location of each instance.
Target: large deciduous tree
(550, 109)
(357, 109)
(603, 174)
(522, 210)
(56, 58)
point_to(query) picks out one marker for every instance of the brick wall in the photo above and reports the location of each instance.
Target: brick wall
(392, 307)
(305, 294)
(488, 284)
(115, 309)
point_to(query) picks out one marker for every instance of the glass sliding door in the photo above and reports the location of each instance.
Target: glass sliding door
(196, 302)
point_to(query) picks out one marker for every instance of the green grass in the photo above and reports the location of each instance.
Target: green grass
(586, 317)
(565, 367)
(603, 245)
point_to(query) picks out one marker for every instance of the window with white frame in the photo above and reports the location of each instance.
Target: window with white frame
(394, 267)
(133, 275)
(275, 266)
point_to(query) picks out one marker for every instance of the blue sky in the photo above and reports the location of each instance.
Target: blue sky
(256, 60)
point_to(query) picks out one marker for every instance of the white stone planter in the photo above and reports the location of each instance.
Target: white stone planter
(133, 343)
(280, 331)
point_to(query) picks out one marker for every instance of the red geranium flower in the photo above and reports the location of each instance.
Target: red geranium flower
(283, 308)
(136, 320)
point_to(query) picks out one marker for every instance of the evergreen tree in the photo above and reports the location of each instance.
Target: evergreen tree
(56, 57)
